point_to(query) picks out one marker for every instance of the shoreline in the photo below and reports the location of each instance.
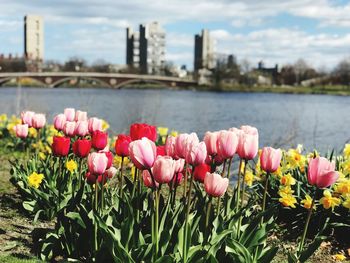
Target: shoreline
(335, 90)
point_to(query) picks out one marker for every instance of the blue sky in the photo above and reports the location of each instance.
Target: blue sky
(272, 30)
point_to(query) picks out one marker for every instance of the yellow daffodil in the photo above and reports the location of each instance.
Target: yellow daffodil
(117, 161)
(174, 133)
(278, 172)
(42, 156)
(32, 132)
(307, 202)
(339, 257)
(71, 166)
(162, 131)
(105, 125)
(328, 201)
(346, 151)
(287, 179)
(346, 166)
(346, 203)
(35, 179)
(343, 187)
(249, 178)
(287, 200)
(3, 118)
(286, 190)
(295, 159)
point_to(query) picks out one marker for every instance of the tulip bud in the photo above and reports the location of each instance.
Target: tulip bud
(99, 140)
(21, 130)
(210, 140)
(97, 163)
(80, 116)
(59, 121)
(38, 121)
(27, 117)
(196, 153)
(60, 146)
(163, 169)
(69, 113)
(200, 171)
(82, 147)
(321, 172)
(122, 145)
(147, 179)
(140, 130)
(270, 159)
(69, 128)
(94, 124)
(81, 128)
(215, 185)
(143, 153)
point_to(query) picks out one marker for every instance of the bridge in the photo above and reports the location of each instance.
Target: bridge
(112, 80)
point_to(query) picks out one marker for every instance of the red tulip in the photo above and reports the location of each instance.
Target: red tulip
(143, 153)
(82, 147)
(97, 163)
(60, 146)
(140, 130)
(27, 117)
(69, 113)
(270, 159)
(122, 145)
(215, 185)
(147, 179)
(161, 150)
(90, 178)
(21, 130)
(38, 121)
(99, 140)
(321, 172)
(163, 169)
(210, 140)
(200, 171)
(59, 121)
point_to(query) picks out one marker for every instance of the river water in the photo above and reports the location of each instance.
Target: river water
(316, 121)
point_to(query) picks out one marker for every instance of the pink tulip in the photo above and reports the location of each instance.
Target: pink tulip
(248, 144)
(59, 121)
(111, 172)
(21, 130)
(215, 185)
(69, 128)
(147, 179)
(97, 163)
(80, 116)
(69, 113)
(94, 124)
(227, 143)
(196, 153)
(38, 121)
(143, 153)
(179, 165)
(163, 169)
(180, 145)
(210, 140)
(270, 159)
(321, 172)
(81, 128)
(26, 117)
(170, 147)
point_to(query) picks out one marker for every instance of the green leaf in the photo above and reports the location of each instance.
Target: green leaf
(29, 205)
(76, 217)
(165, 259)
(268, 255)
(238, 251)
(292, 258)
(305, 254)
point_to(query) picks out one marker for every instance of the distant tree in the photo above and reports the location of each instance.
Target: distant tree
(75, 64)
(341, 73)
(12, 65)
(100, 65)
(303, 71)
(288, 75)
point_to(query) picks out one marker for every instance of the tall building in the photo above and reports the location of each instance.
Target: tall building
(34, 37)
(146, 48)
(132, 48)
(204, 57)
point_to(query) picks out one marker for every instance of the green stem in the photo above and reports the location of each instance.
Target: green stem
(185, 181)
(121, 178)
(307, 224)
(80, 176)
(188, 206)
(226, 193)
(242, 197)
(58, 183)
(207, 217)
(102, 193)
(156, 219)
(264, 196)
(95, 226)
(238, 183)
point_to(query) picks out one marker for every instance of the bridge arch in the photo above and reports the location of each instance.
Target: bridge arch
(59, 82)
(134, 81)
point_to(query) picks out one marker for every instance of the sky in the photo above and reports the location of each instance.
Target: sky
(275, 31)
